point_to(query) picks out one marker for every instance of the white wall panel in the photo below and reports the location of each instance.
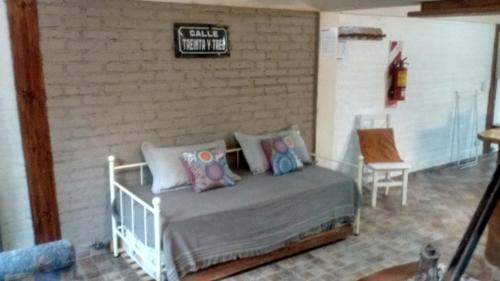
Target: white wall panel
(444, 57)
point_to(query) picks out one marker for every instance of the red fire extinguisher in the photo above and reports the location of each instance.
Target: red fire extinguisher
(399, 74)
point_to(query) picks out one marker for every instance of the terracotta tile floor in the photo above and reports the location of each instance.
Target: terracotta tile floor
(440, 205)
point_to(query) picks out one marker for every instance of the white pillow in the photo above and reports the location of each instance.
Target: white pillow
(254, 154)
(166, 165)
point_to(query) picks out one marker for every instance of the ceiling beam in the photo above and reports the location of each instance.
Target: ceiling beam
(444, 8)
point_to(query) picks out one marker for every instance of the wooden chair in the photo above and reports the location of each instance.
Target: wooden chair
(384, 173)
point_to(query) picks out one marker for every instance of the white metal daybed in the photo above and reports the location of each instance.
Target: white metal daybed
(150, 258)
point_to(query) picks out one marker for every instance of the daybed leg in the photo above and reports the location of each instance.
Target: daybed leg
(387, 180)
(374, 189)
(405, 188)
(360, 186)
(361, 163)
(157, 234)
(111, 162)
(358, 222)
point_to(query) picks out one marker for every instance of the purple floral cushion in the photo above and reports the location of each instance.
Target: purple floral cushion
(281, 155)
(209, 169)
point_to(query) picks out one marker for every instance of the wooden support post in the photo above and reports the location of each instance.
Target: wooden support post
(31, 100)
(492, 96)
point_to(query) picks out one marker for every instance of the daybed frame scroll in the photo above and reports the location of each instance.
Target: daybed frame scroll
(152, 264)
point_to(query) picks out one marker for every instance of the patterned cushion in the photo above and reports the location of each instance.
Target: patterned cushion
(208, 169)
(281, 155)
(256, 158)
(166, 166)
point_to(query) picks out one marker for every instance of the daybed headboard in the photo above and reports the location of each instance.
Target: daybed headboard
(233, 154)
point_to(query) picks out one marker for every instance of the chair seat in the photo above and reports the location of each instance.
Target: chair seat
(388, 166)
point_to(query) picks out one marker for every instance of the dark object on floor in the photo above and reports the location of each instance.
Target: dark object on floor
(98, 245)
(428, 265)
(397, 273)
(47, 257)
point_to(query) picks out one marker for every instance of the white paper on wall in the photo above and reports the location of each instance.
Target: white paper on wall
(328, 42)
(342, 53)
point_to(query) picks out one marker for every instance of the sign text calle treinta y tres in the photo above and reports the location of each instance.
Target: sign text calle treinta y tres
(201, 40)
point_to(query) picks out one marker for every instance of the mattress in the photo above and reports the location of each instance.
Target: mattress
(261, 213)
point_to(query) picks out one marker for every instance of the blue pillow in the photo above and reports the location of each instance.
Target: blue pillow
(281, 155)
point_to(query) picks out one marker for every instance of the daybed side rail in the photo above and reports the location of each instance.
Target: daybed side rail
(359, 181)
(358, 166)
(352, 165)
(117, 192)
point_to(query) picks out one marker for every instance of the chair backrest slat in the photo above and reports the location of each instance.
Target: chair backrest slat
(371, 121)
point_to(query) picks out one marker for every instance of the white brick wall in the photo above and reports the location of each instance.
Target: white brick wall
(15, 215)
(113, 81)
(444, 57)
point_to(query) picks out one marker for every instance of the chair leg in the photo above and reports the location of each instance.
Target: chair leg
(374, 189)
(387, 180)
(405, 187)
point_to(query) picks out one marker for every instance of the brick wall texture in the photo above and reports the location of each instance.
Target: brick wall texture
(112, 82)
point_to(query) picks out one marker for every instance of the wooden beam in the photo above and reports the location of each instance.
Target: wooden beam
(31, 100)
(397, 273)
(492, 96)
(445, 8)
